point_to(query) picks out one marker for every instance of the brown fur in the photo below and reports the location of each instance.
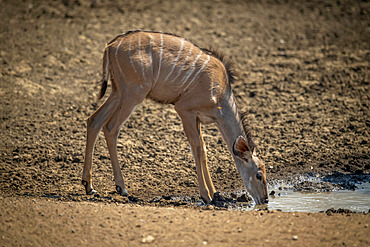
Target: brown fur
(169, 69)
(228, 64)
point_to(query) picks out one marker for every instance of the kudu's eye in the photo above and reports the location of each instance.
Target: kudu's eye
(258, 176)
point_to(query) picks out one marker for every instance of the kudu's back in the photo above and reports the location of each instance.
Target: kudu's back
(168, 65)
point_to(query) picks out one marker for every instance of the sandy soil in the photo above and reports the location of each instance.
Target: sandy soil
(303, 74)
(35, 222)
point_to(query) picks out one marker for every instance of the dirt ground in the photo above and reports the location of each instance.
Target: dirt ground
(35, 222)
(303, 74)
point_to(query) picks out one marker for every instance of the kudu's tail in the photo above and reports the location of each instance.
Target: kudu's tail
(105, 74)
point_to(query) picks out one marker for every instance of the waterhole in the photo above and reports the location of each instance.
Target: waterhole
(314, 193)
(290, 201)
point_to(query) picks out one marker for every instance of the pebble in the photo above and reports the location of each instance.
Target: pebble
(148, 239)
(295, 237)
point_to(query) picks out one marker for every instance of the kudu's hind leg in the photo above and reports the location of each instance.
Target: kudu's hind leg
(111, 130)
(94, 125)
(193, 132)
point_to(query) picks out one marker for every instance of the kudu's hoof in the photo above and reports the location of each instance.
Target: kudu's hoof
(88, 190)
(91, 192)
(120, 191)
(206, 200)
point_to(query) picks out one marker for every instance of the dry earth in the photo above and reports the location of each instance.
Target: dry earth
(35, 222)
(303, 74)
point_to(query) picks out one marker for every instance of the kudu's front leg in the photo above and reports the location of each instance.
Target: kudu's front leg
(193, 132)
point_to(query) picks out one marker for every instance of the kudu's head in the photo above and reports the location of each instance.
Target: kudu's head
(252, 170)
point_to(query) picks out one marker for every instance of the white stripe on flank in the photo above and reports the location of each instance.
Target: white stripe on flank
(204, 64)
(118, 65)
(176, 59)
(186, 58)
(190, 72)
(160, 57)
(150, 52)
(129, 56)
(141, 60)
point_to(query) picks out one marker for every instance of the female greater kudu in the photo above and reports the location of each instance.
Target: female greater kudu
(169, 69)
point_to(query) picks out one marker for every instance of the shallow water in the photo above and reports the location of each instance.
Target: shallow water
(289, 201)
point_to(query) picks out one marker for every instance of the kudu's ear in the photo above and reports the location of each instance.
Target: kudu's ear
(241, 148)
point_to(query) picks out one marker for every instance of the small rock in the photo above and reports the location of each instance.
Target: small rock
(244, 198)
(156, 199)
(148, 239)
(22, 67)
(295, 237)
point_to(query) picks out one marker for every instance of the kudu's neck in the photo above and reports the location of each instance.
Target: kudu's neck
(231, 127)
(229, 122)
